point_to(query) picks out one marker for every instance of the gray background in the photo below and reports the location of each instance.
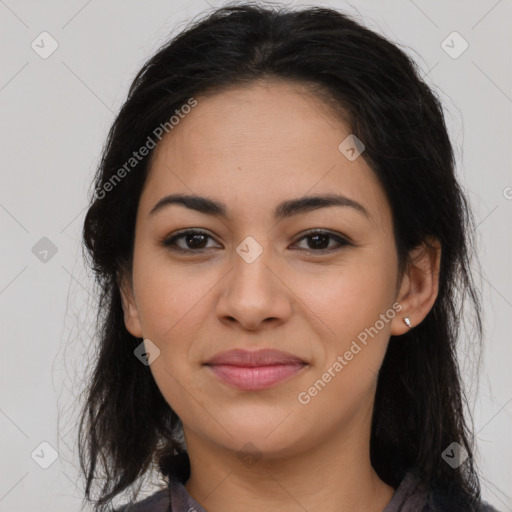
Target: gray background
(55, 113)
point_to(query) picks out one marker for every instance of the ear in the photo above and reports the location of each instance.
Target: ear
(419, 286)
(131, 314)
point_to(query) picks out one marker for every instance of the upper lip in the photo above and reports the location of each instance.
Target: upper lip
(262, 357)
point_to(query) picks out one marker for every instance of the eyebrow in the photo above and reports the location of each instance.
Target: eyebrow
(283, 210)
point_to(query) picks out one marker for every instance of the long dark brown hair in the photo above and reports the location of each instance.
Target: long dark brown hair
(126, 425)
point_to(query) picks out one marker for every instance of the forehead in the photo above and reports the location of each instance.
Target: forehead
(254, 146)
(283, 119)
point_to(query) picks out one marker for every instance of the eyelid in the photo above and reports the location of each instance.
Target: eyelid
(319, 231)
(169, 239)
(341, 239)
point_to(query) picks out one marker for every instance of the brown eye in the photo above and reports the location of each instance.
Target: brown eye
(318, 241)
(196, 241)
(191, 241)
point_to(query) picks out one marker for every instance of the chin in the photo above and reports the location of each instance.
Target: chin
(264, 440)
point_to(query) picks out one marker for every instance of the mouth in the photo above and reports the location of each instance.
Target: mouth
(254, 370)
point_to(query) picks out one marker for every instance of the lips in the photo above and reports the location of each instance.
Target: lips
(263, 357)
(254, 370)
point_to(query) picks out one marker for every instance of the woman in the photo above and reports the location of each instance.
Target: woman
(281, 245)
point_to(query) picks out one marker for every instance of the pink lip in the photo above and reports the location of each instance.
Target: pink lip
(253, 370)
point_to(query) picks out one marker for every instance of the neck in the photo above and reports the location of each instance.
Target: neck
(334, 476)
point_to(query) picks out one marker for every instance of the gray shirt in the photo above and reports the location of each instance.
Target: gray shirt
(410, 496)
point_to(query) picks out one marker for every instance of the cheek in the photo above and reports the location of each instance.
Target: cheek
(354, 339)
(172, 305)
(169, 298)
(349, 298)
(355, 336)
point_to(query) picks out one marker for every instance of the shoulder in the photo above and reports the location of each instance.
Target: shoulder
(447, 505)
(485, 507)
(413, 494)
(157, 502)
(443, 504)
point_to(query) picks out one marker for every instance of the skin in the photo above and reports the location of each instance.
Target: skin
(251, 148)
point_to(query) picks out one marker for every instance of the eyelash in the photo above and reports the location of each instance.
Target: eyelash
(170, 242)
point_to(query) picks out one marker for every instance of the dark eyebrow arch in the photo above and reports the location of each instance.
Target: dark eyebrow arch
(283, 210)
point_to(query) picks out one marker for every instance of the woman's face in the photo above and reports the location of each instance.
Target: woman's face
(254, 280)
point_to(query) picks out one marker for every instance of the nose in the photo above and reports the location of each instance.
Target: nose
(255, 294)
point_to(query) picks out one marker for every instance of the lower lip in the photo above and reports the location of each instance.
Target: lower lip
(257, 377)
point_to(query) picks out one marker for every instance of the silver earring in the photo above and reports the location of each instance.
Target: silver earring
(407, 321)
